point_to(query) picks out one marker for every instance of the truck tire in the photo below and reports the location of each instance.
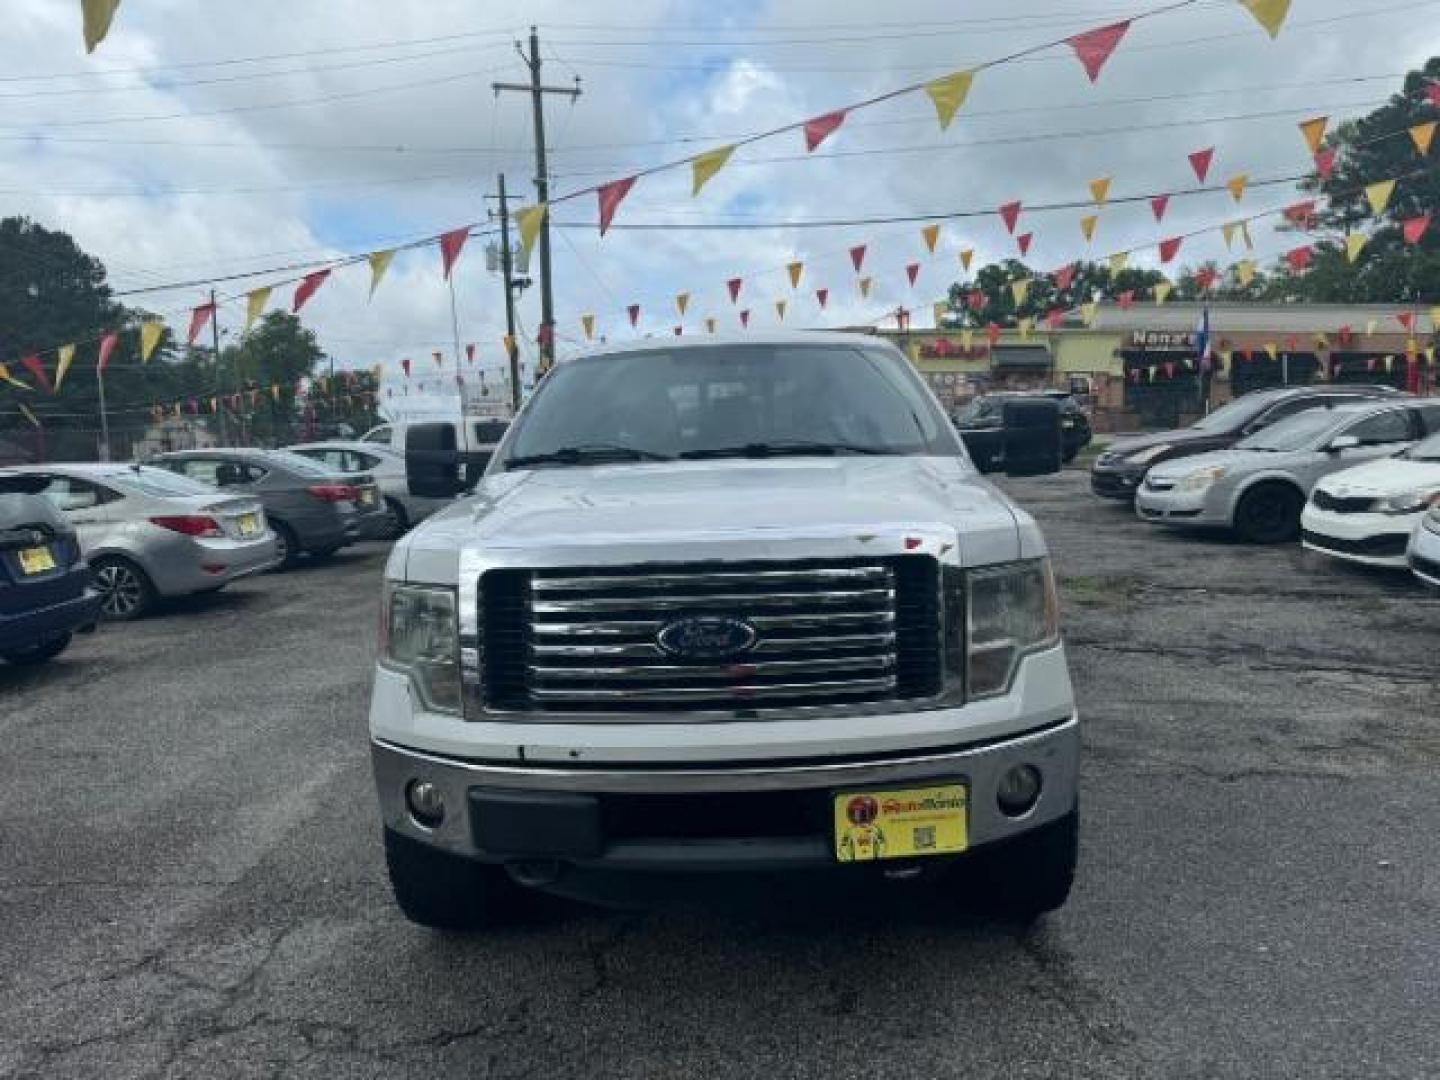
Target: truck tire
(447, 892)
(1269, 513)
(1024, 878)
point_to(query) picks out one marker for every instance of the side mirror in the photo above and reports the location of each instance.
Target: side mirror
(1032, 441)
(1342, 442)
(432, 462)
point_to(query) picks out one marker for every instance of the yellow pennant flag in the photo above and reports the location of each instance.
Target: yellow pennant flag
(255, 301)
(941, 310)
(1162, 292)
(1087, 226)
(965, 257)
(528, 220)
(379, 263)
(97, 15)
(1089, 313)
(948, 94)
(865, 283)
(1118, 260)
(967, 339)
(795, 269)
(1025, 326)
(780, 310)
(1435, 317)
(705, 166)
(1228, 230)
(682, 303)
(1269, 13)
(1019, 290)
(6, 377)
(150, 334)
(931, 236)
(587, 323)
(1100, 190)
(1422, 135)
(1314, 132)
(1370, 327)
(66, 354)
(509, 343)
(1245, 271)
(1272, 351)
(1245, 235)
(1378, 195)
(1354, 244)
(1236, 184)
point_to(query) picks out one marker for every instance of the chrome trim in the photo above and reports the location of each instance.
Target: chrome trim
(640, 582)
(726, 670)
(649, 650)
(732, 696)
(648, 628)
(708, 602)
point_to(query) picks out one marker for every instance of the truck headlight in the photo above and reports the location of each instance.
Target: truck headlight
(1202, 478)
(1012, 610)
(1412, 502)
(419, 636)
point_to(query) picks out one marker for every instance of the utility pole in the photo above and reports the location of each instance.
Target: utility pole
(506, 274)
(537, 92)
(215, 341)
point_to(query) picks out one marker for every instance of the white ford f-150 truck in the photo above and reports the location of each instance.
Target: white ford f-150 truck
(724, 605)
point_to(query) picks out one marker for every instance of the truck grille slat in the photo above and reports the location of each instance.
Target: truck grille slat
(877, 599)
(647, 650)
(726, 697)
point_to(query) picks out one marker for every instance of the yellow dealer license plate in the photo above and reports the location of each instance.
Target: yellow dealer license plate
(906, 824)
(249, 524)
(36, 560)
(367, 496)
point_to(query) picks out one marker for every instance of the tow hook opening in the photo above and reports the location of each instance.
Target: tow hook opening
(535, 873)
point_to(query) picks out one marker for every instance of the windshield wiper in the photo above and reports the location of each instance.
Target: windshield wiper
(784, 447)
(585, 453)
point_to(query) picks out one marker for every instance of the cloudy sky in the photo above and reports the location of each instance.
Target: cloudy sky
(208, 140)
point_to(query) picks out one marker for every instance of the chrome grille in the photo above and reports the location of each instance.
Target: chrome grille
(826, 633)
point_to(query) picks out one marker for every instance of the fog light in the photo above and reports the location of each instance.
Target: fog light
(1019, 788)
(426, 803)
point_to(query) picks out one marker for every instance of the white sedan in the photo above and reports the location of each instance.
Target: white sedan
(1369, 513)
(1424, 553)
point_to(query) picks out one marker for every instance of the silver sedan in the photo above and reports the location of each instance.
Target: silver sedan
(1258, 487)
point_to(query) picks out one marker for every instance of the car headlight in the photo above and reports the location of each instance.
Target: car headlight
(1011, 611)
(1412, 502)
(1149, 454)
(419, 636)
(1202, 478)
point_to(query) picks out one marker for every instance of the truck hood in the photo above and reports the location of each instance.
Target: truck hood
(737, 509)
(1382, 478)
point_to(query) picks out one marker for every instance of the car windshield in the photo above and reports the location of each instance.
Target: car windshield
(157, 482)
(1298, 432)
(1233, 414)
(1424, 450)
(730, 399)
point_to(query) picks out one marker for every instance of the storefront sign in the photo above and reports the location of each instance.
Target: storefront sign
(1163, 340)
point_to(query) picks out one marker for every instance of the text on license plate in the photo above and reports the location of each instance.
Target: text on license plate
(902, 824)
(36, 560)
(367, 497)
(249, 524)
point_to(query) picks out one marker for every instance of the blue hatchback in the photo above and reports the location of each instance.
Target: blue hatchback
(45, 590)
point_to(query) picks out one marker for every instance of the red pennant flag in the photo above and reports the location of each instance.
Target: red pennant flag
(976, 300)
(198, 318)
(450, 245)
(1415, 228)
(1200, 162)
(1054, 317)
(1169, 367)
(470, 354)
(818, 129)
(610, 196)
(1023, 241)
(992, 331)
(734, 286)
(1290, 343)
(405, 366)
(1010, 214)
(308, 285)
(1170, 248)
(1407, 320)
(745, 317)
(1205, 278)
(1345, 335)
(33, 365)
(1299, 258)
(1432, 93)
(912, 272)
(1325, 163)
(1126, 299)
(1370, 364)
(107, 346)
(1158, 205)
(1300, 213)
(857, 256)
(1094, 47)
(1064, 276)
(823, 295)
(634, 312)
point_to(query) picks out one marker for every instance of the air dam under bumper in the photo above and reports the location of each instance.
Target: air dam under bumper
(681, 818)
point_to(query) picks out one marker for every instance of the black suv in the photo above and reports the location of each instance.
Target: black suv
(981, 424)
(1118, 472)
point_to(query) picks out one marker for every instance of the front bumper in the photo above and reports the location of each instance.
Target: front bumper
(1368, 539)
(1119, 481)
(27, 629)
(1424, 554)
(1177, 507)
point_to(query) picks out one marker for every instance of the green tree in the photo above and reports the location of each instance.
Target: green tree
(994, 282)
(266, 368)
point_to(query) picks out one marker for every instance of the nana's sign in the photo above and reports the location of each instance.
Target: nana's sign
(1163, 340)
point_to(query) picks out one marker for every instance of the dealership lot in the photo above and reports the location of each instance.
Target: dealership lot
(191, 877)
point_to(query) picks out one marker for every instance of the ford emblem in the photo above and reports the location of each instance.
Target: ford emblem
(706, 637)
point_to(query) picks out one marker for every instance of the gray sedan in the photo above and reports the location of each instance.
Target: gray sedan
(388, 469)
(1258, 487)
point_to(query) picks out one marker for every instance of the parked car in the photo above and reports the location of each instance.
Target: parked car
(1424, 553)
(1368, 514)
(1259, 487)
(386, 466)
(981, 424)
(313, 509)
(477, 434)
(147, 533)
(1117, 473)
(45, 591)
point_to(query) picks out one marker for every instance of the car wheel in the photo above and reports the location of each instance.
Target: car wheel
(1024, 878)
(447, 892)
(39, 654)
(1269, 514)
(287, 546)
(399, 520)
(125, 590)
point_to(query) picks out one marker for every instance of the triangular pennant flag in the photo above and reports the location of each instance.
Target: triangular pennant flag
(967, 339)
(1245, 271)
(992, 332)
(818, 129)
(1228, 231)
(1301, 213)
(1325, 163)
(255, 301)
(1064, 276)
(1094, 47)
(1025, 326)
(780, 310)
(1087, 226)
(107, 346)
(1435, 318)
(1126, 299)
(1170, 248)
(379, 263)
(1432, 93)
(1205, 278)
(1370, 325)
(1100, 190)
(865, 284)
(634, 312)
(1200, 162)
(1269, 13)
(1378, 195)
(528, 220)
(1414, 228)
(857, 256)
(1020, 290)
(1236, 184)
(1405, 319)
(1299, 258)
(1089, 312)
(682, 303)
(931, 235)
(733, 285)
(965, 256)
(1422, 135)
(6, 377)
(96, 17)
(948, 94)
(745, 318)
(1245, 235)
(150, 334)
(1162, 292)
(1272, 351)
(1314, 132)
(1023, 242)
(912, 272)
(940, 308)
(437, 354)
(1054, 318)
(587, 324)
(308, 285)
(706, 165)
(65, 356)
(795, 269)
(1010, 214)
(469, 354)
(33, 365)
(450, 245)
(822, 296)
(198, 318)
(609, 196)
(1158, 205)
(709, 326)
(1118, 261)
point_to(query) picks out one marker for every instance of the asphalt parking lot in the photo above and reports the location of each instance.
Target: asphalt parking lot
(191, 881)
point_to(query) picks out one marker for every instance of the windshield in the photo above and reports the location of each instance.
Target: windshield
(161, 483)
(1297, 432)
(1425, 450)
(1234, 414)
(704, 400)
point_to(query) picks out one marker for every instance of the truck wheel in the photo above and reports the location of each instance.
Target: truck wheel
(1023, 878)
(39, 654)
(1269, 514)
(447, 892)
